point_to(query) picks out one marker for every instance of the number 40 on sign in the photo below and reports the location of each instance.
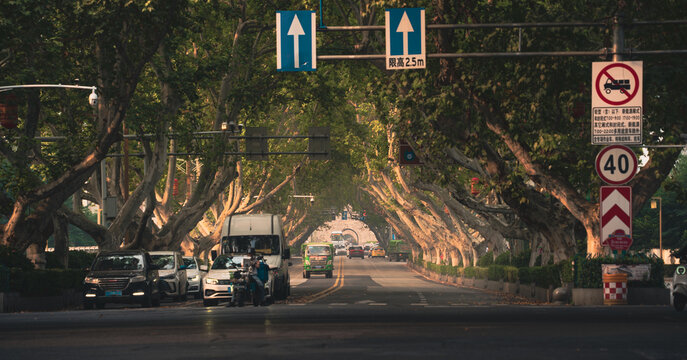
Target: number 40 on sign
(616, 164)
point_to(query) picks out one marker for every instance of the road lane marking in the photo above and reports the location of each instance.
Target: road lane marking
(338, 284)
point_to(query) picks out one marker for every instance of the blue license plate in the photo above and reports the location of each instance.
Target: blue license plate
(113, 293)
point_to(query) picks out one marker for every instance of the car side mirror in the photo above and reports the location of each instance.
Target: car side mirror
(287, 254)
(203, 268)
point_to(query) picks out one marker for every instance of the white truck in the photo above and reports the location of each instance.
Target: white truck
(264, 233)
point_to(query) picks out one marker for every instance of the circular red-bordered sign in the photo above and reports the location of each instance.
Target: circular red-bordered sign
(616, 86)
(616, 164)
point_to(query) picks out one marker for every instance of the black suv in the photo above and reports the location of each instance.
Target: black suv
(124, 276)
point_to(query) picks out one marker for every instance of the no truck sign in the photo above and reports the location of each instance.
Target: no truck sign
(617, 102)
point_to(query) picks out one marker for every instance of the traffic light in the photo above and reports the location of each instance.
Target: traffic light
(256, 144)
(318, 143)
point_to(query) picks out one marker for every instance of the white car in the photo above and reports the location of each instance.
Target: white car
(217, 282)
(193, 276)
(171, 268)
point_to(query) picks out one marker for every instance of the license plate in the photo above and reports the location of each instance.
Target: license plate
(231, 288)
(113, 293)
(317, 267)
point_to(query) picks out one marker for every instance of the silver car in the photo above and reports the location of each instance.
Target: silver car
(170, 265)
(193, 276)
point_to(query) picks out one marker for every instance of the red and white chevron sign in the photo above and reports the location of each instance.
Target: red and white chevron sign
(615, 210)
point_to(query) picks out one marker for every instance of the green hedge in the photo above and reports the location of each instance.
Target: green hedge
(14, 259)
(505, 272)
(476, 272)
(588, 270)
(77, 260)
(44, 282)
(486, 259)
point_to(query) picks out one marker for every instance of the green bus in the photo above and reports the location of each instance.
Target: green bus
(318, 258)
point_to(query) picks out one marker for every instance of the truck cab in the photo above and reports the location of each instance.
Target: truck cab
(318, 258)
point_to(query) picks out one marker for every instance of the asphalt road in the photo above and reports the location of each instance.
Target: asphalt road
(371, 308)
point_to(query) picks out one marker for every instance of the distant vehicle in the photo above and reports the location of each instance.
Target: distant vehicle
(620, 85)
(318, 258)
(341, 250)
(377, 252)
(193, 276)
(125, 276)
(367, 248)
(262, 232)
(398, 250)
(173, 281)
(356, 251)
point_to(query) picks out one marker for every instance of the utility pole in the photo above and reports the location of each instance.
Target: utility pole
(618, 37)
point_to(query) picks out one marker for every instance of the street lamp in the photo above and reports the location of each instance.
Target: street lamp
(656, 201)
(92, 98)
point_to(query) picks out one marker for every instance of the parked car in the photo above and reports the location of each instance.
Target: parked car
(356, 251)
(193, 276)
(173, 281)
(377, 252)
(217, 283)
(126, 276)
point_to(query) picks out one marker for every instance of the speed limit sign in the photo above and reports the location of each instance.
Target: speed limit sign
(616, 164)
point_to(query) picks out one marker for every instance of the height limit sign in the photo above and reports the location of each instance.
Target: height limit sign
(617, 103)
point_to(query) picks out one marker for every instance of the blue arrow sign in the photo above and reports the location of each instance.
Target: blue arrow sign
(405, 39)
(296, 41)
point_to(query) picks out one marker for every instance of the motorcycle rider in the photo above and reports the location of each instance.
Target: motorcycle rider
(257, 266)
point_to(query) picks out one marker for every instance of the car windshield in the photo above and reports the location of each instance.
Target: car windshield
(224, 262)
(190, 263)
(118, 262)
(318, 250)
(163, 262)
(263, 244)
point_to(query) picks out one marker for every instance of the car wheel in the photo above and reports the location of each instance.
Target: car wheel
(679, 302)
(307, 274)
(156, 300)
(305, 277)
(88, 305)
(197, 295)
(329, 274)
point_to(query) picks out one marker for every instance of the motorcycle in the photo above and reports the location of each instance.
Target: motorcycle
(679, 289)
(244, 288)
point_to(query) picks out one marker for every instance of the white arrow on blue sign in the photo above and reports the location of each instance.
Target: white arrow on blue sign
(296, 41)
(405, 39)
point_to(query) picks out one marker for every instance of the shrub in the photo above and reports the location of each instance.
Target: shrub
(486, 259)
(521, 260)
(503, 259)
(566, 271)
(45, 282)
(14, 259)
(77, 260)
(525, 275)
(505, 272)
(588, 270)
